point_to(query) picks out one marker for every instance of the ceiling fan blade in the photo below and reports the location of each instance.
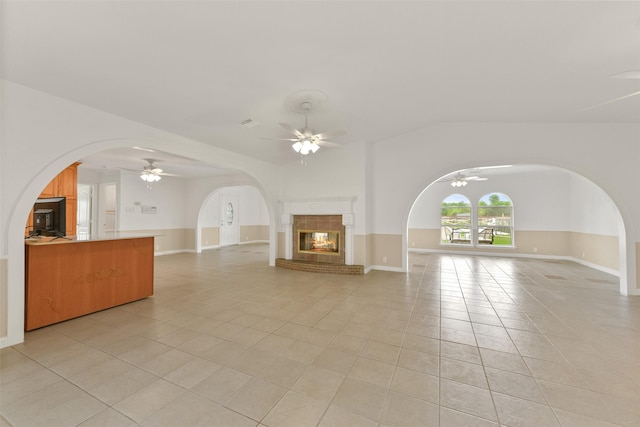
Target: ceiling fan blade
(330, 134)
(280, 139)
(293, 130)
(325, 143)
(611, 101)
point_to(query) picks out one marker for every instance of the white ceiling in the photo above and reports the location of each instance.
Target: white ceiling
(200, 68)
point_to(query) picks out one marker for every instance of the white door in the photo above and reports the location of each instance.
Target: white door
(108, 208)
(229, 225)
(83, 227)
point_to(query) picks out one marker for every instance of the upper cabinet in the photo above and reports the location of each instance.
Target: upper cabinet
(65, 184)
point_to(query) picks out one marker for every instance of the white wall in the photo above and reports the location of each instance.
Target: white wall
(167, 198)
(252, 209)
(402, 167)
(330, 173)
(541, 201)
(591, 210)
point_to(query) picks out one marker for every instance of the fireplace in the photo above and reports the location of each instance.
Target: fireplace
(318, 238)
(319, 242)
(327, 222)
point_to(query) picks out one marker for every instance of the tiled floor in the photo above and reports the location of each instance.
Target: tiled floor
(229, 341)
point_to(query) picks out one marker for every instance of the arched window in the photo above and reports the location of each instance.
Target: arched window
(495, 219)
(455, 220)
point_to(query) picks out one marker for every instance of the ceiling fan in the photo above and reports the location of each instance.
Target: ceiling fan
(306, 140)
(460, 180)
(152, 173)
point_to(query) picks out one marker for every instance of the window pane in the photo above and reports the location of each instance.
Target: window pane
(455, 220)
(495, 219)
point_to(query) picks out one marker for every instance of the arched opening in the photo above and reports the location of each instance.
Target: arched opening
(232, 215)
(560, 215)
(15, 298)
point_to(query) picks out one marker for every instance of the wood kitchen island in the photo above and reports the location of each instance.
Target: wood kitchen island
(70, 278)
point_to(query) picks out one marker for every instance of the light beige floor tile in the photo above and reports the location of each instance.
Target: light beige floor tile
(144, 353)
(456, 351)
(569, 419)
(423, 362)
(108, 418)
(463, 372)
(452, 418)
(361, 398)
(302, 352)
(292, 330)
(420, 343)
(101, 373)
(334, 360)
(192, 372)
(318, 336)
(252, 361)
(25, 385)
(221, 384)
(224, 353)
(188, 409)
(458, 336)
(573, 399)
(515, 385)
(523, 413)
(503, 344)
(347, 344)
(122, 385)
(559, 372)
(319, 384)
(381, 351)
(504, 361)
(295, 410)
(274, 344)
(465, 398)
(416, 384)
(148, 400)
(248, 337)
(167, 362)
(70, 413)
(199, 344)
(24, 410)
(358, 330)
(403, 410)
(372, 371)
(256, 398)
(339, 417)
(283, 372)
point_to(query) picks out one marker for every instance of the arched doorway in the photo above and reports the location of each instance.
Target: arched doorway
(15, 264)
(554, 213)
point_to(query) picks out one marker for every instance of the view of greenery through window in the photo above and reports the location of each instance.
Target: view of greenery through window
(493, 217)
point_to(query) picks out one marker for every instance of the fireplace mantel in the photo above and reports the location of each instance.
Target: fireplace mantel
(336, 206)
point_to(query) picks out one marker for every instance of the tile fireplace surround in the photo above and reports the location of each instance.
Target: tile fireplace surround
(319, 215)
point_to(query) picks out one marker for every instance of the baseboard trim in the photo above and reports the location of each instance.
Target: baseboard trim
(512, 255)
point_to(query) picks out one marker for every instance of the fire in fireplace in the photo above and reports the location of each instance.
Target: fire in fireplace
(319, 241)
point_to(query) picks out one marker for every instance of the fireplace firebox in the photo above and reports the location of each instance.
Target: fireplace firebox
(325, 242)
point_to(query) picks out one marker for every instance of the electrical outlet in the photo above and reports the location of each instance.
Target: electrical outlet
(384, 259)
(535, 250)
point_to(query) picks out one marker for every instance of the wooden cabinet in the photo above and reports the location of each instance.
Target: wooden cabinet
(65, 184)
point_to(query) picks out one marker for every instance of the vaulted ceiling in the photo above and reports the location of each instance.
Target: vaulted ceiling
(200, 68)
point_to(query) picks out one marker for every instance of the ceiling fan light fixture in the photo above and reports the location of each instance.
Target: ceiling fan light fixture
(149, 177)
